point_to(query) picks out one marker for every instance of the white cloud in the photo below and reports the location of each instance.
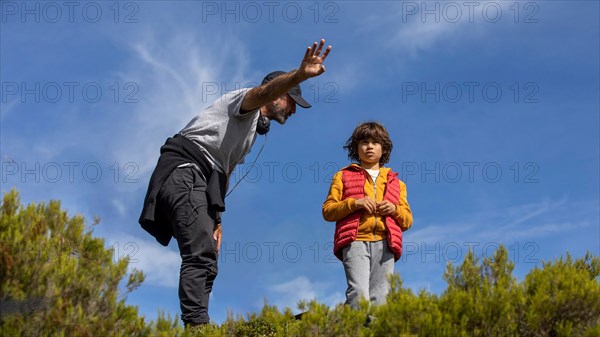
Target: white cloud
(417, 36)
(6, 108)
(300, 288)
(288, 294)
(411, 27)
(119, 206)
(174, 75)
(529, 221)
(333, 299)
(160, 264)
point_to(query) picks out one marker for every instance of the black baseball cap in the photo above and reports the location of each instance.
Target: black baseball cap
(295, 92)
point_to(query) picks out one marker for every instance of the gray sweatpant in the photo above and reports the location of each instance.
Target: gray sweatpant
(368, 266)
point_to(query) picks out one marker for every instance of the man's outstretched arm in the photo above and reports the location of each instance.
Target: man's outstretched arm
(311, 66)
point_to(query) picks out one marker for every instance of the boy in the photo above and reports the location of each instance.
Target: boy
(368, 203)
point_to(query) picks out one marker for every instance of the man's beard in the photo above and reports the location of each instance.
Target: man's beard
(275, 112)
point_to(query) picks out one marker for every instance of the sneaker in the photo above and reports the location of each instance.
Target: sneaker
(370, 319)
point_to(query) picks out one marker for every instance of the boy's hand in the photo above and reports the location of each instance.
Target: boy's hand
(367, 204)
(385, 208)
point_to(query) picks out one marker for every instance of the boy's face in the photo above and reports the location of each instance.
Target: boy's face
(369, 151)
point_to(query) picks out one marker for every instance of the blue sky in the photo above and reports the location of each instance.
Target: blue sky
(493, 108)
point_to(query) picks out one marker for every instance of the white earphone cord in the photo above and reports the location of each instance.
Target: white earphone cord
(251, 165)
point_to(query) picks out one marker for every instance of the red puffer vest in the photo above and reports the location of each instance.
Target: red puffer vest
(346, 229)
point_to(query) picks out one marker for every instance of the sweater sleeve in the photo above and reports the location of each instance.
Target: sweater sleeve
(403, 214)
(334, 208)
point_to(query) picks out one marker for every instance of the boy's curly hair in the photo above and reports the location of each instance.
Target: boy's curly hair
(369, 130)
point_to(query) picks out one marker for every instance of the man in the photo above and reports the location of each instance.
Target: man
(186, 192)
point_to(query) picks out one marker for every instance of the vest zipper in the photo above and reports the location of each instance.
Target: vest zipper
(375, 193)
(368, 176)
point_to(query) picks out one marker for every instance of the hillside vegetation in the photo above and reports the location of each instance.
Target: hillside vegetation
(57, 279)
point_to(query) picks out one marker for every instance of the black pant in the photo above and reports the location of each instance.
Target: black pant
(183, 198)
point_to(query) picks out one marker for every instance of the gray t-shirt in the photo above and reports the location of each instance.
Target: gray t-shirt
(223, 134)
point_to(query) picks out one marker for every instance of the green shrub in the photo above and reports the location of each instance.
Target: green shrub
(56, 279)
(562, 298)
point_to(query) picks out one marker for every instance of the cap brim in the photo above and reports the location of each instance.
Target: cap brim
(300, 101)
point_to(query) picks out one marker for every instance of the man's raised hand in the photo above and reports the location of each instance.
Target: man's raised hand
(312, 63)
